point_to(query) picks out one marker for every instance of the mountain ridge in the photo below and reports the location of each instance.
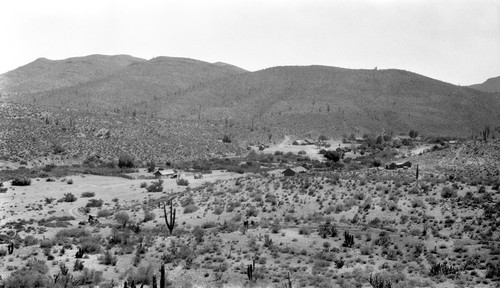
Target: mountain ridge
(297, 99)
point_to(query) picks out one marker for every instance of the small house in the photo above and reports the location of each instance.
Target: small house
(391, 166)
(293, 171)
(399, 165)
(309, 141)
(164, 173)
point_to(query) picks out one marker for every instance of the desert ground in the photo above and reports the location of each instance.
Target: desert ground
(358, 226)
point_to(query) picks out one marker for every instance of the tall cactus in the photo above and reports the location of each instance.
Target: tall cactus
(348, 239)
(170, 225)
(417, 172)
(79, 253)
(288, 282)
(10, 248)
(162, 276)
(154, 282)
(251, 270)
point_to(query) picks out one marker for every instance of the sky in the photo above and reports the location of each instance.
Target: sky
(456, 41)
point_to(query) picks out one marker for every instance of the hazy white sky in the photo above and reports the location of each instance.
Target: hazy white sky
(457, 41)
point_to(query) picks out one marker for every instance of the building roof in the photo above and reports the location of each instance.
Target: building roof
(165, 172)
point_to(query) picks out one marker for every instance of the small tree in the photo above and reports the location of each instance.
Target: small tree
(126, 161)
(122, 218)
(155, 186)
(332, 156)
(226, 139)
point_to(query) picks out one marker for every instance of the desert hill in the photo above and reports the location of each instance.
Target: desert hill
(490, 85)
(137, 86)
(44, 74)
(345, 100)
(299, 100)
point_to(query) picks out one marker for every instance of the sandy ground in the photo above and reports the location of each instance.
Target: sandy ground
(14, 203)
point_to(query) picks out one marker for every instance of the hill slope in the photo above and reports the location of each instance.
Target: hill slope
(44, 74)
(335, 100)
(300, 100)
(490, 85)
(138, 86)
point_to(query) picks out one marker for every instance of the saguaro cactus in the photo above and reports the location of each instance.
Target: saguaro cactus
(348, 239)
(171, 223)
(251, 270)
(162, 276)
(79, 253)
(10, 248)
(288, 281)
(417, 173)
(154, 282)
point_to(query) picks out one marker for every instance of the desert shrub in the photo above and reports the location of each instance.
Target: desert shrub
(91, 245)
(190, 209)
(49, 200)
(418, 203)
(198, 233)
(226, 139)
(122, 218)
(413, 190)
(304, 230)
(144, 185)
(57, 148)
(126, 161)
(108, 259)
(275, 227)
(493, 270)
(78, 265)
(69, 181)
(186, 201)
(182, 182)
(155, 186)
(32, 275)
(218, 210)
(23, 181)
(30, 240)
(327, 230)
(90, 277)
(144, 275)
(448, 192)
(94, 203)
(332, 156)
(104, 213)
(47, 243)
(149, 216)
(69, 197)
(278, 153)
(49, 167)
(88, 194)
(72, 233)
